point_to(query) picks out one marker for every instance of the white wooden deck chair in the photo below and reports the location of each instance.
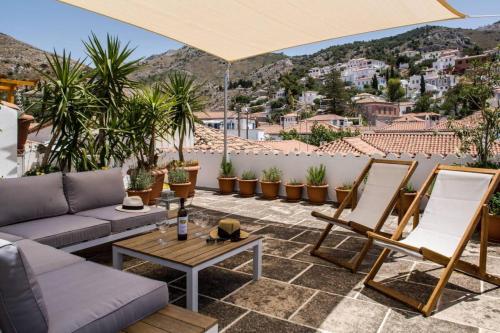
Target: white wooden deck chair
(455, 206)
(384, 181)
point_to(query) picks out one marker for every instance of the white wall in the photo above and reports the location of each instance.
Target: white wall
(8, 142)
(340, 169)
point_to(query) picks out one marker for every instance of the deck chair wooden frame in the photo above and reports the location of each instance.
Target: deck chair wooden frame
(352, 197)
(450, 263)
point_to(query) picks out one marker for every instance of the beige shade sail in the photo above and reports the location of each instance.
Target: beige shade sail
(238, 29)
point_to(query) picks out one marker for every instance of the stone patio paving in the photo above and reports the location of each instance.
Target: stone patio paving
(301, 293)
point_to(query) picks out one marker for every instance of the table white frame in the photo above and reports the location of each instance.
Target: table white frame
(192, 271)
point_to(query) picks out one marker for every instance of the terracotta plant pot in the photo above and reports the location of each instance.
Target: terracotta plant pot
(341, 195)
(23, 125)
(247, 187)
(270, 190)
(144, 194)
(157, 187)
(181, 190)
(494, 228)
(405, 202)
(317, 194)
(226, 185)
(193, 175)
(294, 192)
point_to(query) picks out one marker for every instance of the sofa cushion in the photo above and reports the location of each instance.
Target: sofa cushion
(60, 231)
(29, 198)
(22, 308)
(44, 258)
(9, 237)
(121, 221)
(88, 297)
(93, 189)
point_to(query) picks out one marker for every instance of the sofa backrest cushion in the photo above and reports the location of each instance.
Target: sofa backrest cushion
(30, 198)
(22, 308)
(93, 189)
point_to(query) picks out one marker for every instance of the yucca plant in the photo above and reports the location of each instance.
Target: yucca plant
(186, 94)
(148, 112)
(140, 180)
(316, 175)
(294, 181)
(226, 169)
(67, 104)
(273, 174)
(109, 81)
(178, 176)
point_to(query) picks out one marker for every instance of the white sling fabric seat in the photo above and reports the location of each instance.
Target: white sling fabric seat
(454, 199)
(382, 184)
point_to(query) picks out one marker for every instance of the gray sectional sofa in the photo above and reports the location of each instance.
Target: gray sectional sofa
(45, 289)
(70, 211)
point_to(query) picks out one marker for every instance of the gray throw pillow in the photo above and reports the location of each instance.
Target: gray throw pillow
(93, 189)
(30, 198)
(21, 303)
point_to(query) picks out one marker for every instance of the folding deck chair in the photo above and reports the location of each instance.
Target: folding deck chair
(457, 201)
(384, 181)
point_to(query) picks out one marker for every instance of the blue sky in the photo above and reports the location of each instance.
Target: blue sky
(48, 25)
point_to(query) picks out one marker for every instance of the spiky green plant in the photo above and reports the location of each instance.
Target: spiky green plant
(316, 175)
(347, 186)
(272, 174)
(294, 181)
(494, 204)
(409, 188)
(226, 169)
(186, 94)
(140, 180)
(178, 176)
(248, 175)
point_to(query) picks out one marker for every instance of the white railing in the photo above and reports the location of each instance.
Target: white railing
(340, 169)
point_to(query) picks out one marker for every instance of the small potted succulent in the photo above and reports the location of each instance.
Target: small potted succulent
(407, 196)
(317, 189)
(270, 183)
(247, 183)
(140, 184)
(293, 190)
(226, 177)
(178, 180)
(342, 192)
(494, 218)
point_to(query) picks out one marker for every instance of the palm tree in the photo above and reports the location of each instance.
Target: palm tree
(187, 99)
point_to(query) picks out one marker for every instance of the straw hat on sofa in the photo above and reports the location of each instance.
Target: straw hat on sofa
(132, 204)
(228, 229)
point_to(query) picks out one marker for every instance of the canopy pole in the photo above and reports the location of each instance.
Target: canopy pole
(226, 84)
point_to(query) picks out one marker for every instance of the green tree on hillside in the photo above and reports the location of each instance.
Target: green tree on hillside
(422, 85)
(374, 82)
(394, 90)
(335, 92)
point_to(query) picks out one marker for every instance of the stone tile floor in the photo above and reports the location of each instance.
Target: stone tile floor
(301, 293)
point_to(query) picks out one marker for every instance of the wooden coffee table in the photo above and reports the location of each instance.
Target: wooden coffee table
(189, 256)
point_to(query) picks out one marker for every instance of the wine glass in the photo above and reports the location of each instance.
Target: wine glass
(201, 220)
(162, 226)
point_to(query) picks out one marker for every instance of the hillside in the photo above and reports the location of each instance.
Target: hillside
(18, 60)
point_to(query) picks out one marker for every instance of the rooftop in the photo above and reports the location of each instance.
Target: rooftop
(302, 293)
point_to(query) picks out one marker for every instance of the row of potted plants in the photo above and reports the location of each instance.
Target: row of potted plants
(270, 183)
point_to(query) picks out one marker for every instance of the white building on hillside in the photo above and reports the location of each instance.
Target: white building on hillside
(319, 72)
(445, 61)
(410, 53)
(435, 82)
(281, 93)
(308, 97)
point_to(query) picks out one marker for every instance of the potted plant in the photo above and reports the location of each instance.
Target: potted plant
(148, 115)
(407, 196)
(226, 177)
(317, 189)
(293, 190)
(178, 180)
(342, 192)
(140, 184)
(247, 183)
(494, 218)
(270, 183)
(186, 95)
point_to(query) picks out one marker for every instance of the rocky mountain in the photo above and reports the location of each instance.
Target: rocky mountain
(19, 60)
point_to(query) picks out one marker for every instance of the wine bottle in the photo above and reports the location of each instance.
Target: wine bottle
(182, 222)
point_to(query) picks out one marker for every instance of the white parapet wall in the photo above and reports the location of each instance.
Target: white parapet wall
(8, 142)
(340, 169)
